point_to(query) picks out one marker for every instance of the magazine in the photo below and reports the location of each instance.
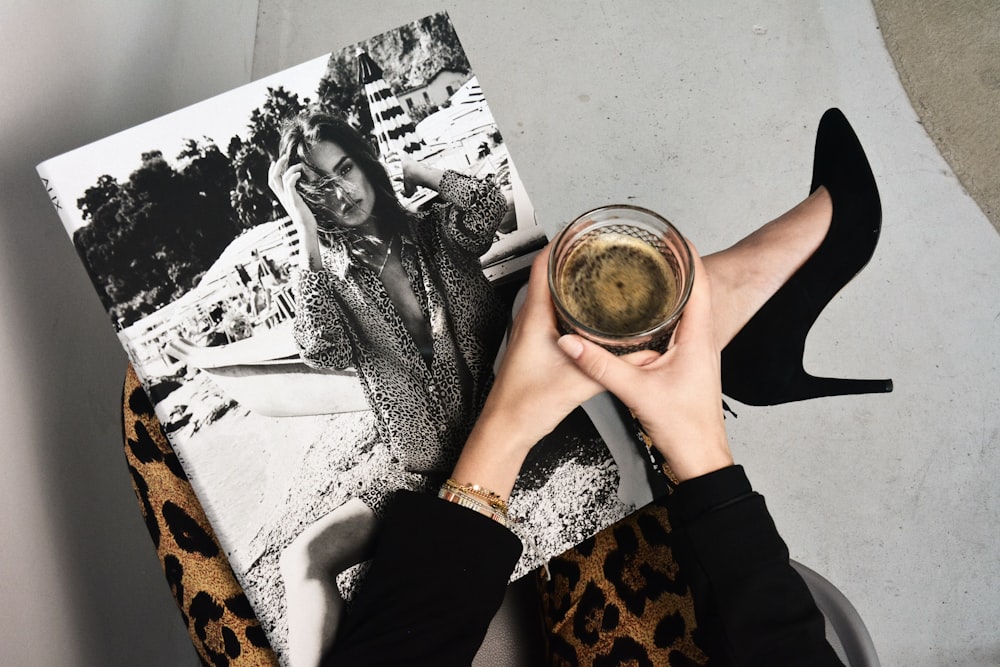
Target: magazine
(283, 396)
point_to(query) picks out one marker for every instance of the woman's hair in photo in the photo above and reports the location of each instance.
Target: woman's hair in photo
(300, 134)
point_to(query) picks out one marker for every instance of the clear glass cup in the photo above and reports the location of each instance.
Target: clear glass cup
(620, 276)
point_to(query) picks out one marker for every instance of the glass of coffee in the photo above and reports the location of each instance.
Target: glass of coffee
(620, 276)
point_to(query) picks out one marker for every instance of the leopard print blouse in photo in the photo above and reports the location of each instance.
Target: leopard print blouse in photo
(346, 319)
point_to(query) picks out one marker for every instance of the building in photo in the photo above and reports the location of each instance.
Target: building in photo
(436, 90)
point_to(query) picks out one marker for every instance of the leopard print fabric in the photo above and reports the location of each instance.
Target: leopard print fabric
(618, 598)
(345, 317)
(220, 621)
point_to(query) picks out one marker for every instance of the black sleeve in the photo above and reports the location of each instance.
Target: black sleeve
(438, 576)
(740, 574)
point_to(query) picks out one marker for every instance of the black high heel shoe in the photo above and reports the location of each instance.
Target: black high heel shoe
(762, 365)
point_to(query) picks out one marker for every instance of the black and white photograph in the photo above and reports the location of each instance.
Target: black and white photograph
(313, 276)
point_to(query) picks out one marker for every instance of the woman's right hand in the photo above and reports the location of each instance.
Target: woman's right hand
(535, 388)
(282, 180)
(676, 396)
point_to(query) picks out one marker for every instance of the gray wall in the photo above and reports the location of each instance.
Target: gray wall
(79, 580)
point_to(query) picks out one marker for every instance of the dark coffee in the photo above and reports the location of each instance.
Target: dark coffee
(617, 284)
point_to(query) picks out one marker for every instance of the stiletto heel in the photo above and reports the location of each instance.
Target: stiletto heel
(762, 365)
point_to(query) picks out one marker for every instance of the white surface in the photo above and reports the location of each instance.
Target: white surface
(706, 112)
(79, 578)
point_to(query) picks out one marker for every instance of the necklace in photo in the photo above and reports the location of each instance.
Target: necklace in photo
(388, 251)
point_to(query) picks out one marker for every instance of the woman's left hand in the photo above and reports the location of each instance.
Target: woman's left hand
(536, 387)
(394, 166)
(417, 174)
(537, 384)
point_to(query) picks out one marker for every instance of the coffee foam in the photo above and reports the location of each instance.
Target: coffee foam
(617, 284)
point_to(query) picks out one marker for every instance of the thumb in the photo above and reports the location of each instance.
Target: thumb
(611, 372)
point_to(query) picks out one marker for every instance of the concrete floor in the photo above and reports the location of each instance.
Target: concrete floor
(706, 115)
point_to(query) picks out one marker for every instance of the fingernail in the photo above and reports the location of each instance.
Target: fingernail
(571, 345)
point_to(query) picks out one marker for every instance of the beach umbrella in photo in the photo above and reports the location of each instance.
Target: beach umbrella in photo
(393, 128)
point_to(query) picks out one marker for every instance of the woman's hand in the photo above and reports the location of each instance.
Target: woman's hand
(536, 387)
(676, 396)
(393, 163)
(282, 180)
(416, 174)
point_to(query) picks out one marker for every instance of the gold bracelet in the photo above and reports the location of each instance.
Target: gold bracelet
(492, 499)
(655, 457)
(474, 504)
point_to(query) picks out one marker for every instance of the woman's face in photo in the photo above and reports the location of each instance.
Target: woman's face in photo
(338, 182)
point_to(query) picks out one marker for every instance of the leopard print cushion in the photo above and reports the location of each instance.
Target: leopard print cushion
(220, 621)
(618, 598)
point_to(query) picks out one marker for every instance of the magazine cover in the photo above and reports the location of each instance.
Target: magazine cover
(312, 275)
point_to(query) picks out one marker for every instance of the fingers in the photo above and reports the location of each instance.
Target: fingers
(291, 177)
(697, 319)
(278, 167)
(641, 358)
(274, 175)
(626, 375)
(538, 282)
(615, 374)
(281, 178)
(538, 303)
